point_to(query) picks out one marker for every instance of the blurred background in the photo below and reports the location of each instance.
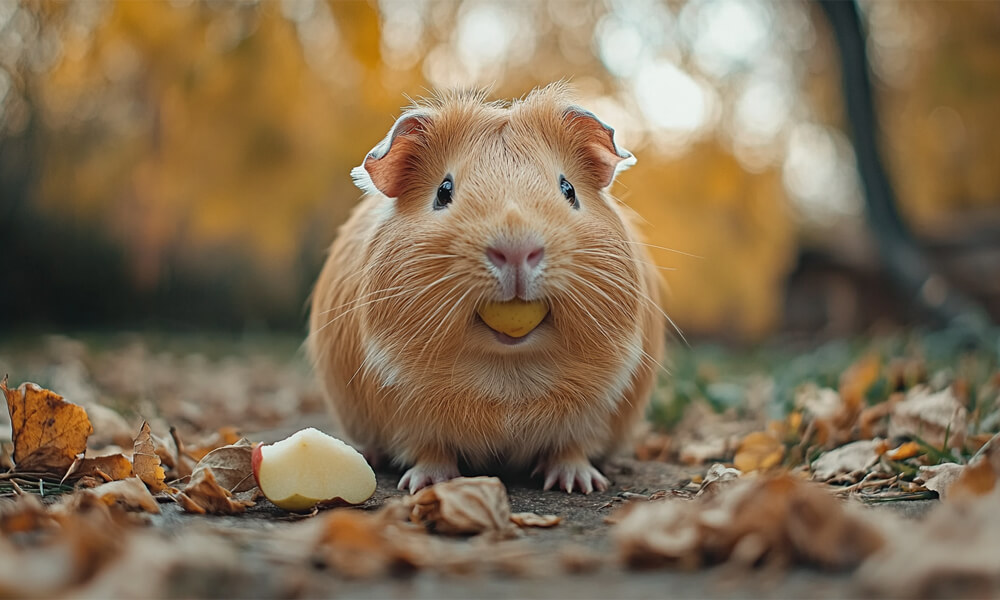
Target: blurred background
(183, 165)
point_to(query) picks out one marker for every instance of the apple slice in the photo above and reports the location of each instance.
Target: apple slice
(310, 468)
(515, 318)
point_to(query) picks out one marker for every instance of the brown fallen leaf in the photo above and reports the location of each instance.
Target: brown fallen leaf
(203, 494)
(359, 544)
(935, 417)
(146, 462)
(530, 519)
(112, 467)
(231, 466)
(779, 520)
(954, 552)
(48, 431)
(904, 451)
(848, 463)
(23, 513)
(130, 494)
(225, 436)
(759, 451)
(938, 478)
(463, 506)
(975, 480)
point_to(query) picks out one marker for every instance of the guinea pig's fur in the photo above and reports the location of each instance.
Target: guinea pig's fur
(411, 370)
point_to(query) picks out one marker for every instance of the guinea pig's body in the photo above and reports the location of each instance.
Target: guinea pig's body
(468, 203)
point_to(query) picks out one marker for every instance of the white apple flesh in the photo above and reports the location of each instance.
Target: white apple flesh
(309, 468)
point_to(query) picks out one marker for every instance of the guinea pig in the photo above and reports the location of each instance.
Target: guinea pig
(471, 204)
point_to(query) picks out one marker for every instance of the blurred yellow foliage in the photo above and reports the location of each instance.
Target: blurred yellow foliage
(186, 128)
(727, 232)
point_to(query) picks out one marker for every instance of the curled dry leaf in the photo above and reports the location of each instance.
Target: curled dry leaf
(938, 478)
(48, 431)
(759, 451)
(130, 494)
(933, 417)
(203, 494)
(530, 519)
(847, 463)
(230, 465)
(779, 520)
(463, 506)
(717, 477)
(146, 462)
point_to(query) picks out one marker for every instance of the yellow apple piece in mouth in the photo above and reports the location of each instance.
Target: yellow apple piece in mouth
(310, 467)
(516, 318)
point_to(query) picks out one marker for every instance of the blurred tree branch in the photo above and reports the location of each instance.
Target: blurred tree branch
(905, 263)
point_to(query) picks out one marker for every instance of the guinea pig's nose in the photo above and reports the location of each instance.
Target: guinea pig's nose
(515, 254)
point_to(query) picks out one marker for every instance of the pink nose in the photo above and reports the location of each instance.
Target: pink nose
(516, 254)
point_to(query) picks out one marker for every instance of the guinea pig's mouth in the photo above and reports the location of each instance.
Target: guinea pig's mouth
(512, 322)
(509, 340)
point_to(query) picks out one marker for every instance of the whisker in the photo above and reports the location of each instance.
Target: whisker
(665, 248)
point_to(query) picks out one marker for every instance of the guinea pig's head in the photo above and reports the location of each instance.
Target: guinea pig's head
(491, 205)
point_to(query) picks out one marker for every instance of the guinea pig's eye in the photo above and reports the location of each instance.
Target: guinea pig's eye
(568, 192)
(444, 192)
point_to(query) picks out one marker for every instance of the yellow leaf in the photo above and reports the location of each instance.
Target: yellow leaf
(758, 451)
(48, 432)
(146, 463)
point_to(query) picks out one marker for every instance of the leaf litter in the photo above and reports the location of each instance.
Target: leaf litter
(882, 428)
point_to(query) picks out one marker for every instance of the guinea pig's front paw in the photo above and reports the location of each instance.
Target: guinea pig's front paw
(574, 474)
(422, 475)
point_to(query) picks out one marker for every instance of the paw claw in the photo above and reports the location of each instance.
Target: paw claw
(422, 475)
(578, 475)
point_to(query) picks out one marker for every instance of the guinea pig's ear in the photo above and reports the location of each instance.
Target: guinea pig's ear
(606, 158)
(384, 168)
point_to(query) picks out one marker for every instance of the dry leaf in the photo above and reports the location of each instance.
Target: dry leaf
(759, 451)
(931, 416)
(847, 463)
(954, 552)
(978, 479)
(462, 506)
(818, 403)
(48, 432)
(938, 478)
(23, 513)
(717, 477)
(112, 467)
(225, 436)
(359, 544)
(203, 494)
(146, 462)
(780, 520)
(130, 494)
(904, 451)
(230, 465)
(857, 379)
(530, 519)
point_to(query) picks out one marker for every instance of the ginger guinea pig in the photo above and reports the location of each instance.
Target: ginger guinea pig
(489, 303)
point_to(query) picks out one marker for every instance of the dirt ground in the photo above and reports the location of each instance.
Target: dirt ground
(268, 392)
(262, 572)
